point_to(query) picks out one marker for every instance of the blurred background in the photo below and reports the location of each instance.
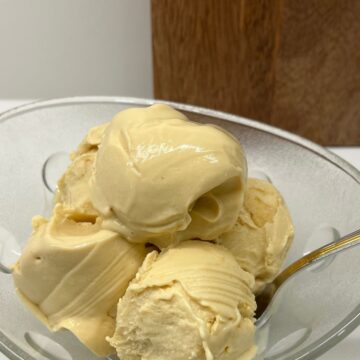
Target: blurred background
(290, 63)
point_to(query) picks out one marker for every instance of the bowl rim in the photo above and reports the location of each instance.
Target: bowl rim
(283, 134)
(319, 347)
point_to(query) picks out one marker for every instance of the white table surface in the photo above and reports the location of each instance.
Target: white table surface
(349, 348)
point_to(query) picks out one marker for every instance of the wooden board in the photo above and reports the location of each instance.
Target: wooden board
(293, 64)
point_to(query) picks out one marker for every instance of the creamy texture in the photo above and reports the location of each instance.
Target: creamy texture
(73, 187)
(192, 301)
(263, 233)
(160, 178)
(153, 176)
(72, 274)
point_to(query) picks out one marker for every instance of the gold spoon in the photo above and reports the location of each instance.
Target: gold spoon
(264, 299)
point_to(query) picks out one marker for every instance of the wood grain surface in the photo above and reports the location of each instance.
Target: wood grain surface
(293, 64)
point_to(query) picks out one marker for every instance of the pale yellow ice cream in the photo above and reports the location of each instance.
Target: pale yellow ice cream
(263, 233)
(192, 301)
(72, 275)
(153, 176)
(73, 187)
(160, 178)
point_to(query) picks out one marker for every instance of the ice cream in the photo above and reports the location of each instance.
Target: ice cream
(73, 187)
(192, 301)
(151, 176)
(161, 178)
(72, 274)
(263, 233)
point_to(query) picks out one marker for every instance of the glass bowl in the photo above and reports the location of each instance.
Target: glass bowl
(310, 316)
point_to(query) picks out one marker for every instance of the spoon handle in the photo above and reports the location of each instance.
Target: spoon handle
(317, 255)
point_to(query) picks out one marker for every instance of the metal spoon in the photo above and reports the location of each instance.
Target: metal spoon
(264, 299)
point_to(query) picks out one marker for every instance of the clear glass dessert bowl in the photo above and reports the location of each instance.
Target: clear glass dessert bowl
(309, 316)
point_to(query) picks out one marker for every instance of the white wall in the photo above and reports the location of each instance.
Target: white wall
(55, 48)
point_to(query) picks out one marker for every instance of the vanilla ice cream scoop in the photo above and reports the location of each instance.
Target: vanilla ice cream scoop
(263, 233)
(161, 178)
(72, 274)
(73, 187)
(192, 301)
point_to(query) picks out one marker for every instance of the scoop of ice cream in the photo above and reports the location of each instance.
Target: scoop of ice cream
(192, 301)
(263, 232)
(73, 187)
(161, 178)
(72, 274)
